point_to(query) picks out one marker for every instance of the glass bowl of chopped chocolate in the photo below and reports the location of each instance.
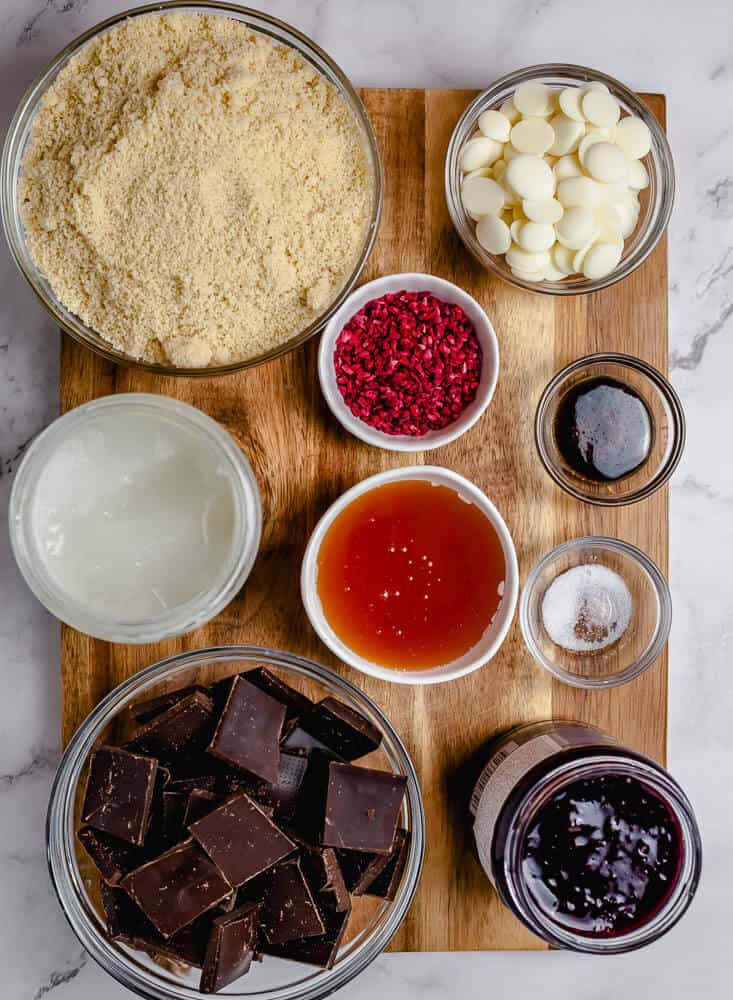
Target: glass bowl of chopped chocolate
(235, 820)
(595, 612)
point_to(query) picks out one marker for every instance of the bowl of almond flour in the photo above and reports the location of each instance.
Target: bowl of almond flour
(191, 188)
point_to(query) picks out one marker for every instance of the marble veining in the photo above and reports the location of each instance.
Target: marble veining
(674, 46)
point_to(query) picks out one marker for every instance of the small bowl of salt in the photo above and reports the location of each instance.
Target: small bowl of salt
(595, 612)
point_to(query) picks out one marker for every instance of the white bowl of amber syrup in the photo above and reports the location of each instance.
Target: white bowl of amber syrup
(411, 576)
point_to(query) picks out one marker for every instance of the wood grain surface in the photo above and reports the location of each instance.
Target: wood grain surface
(303, 461)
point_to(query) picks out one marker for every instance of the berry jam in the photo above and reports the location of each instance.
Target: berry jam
(602, 856)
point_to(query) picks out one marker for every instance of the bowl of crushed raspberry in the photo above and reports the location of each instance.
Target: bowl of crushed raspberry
(409, 362)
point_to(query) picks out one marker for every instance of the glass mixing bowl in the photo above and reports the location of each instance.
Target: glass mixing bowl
(656, 200)
(17, 137)
(373, 922)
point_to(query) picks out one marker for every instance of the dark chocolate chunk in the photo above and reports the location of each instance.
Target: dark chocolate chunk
(322, 870)
(289, 910)
(234, 782)
(248, 733)
(360, 868)
(178, 731)
(241, 839)
(202, 783)
(295, 703)
(127, 922)
(119, 793)
(146, 710)
(230, 949)
(342, 729)
(113, 858)
(386, 884)
(362, 808)
(200, 803)
(311, 802)
(176, 888)
(296, 738)
(286, 789)
(321, 950)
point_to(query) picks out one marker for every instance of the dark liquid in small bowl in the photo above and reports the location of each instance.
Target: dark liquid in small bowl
(602, 856)
(603, 429)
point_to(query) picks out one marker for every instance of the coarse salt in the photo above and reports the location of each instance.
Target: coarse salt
(587, 608)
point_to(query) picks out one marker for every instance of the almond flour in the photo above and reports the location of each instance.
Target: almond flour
(194, 192)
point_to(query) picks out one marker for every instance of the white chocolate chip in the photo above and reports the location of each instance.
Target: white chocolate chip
(578, 191)
(499, 169)
(525, 261)
(532, 99)
(588, 140)
(607, 163)
(634, 137)
(493, 234)
(509, 111)
(579, 257)
(530, 177)
(562, 258)
(510, 152)
(478, 172)
(482, 196)
(600, 108)
(532, 135)
(552, 273)
(595, 85)
(570, 99)
(480, 152)
(577, 227)
(600, 260)
(638, 177)
(528, 275)
(547, 210)
(568, 134)
(515, 229)
(567, 166)
(536, 236)
(495, 125)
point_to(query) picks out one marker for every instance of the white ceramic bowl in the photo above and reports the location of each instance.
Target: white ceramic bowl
(494, 635)
(444, 290)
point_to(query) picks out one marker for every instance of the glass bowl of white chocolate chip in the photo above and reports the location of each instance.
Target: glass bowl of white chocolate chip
(559, 179)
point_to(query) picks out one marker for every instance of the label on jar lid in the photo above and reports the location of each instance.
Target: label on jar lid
(513, 758)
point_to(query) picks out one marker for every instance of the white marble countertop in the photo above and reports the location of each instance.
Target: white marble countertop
(678, 47)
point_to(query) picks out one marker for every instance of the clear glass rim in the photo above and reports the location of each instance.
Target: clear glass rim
(666, 391)
(659, 781)
(657, 641)
(12, 155)
(661, 155)
(174, 621)
(60, 833)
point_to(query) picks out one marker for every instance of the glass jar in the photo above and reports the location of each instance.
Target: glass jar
(532, 765)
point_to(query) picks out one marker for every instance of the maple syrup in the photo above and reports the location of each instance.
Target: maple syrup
(410, 575)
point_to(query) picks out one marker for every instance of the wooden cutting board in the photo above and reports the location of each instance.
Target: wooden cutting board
(303, 461)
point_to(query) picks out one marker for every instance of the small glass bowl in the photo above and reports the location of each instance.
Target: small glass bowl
(178, 619)
(374, 922)
(638, 646)
(656, 201)
(19, 130)
(667, 419)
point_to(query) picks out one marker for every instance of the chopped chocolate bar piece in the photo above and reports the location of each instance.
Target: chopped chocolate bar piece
(321, 950)
(323, 872)
(201, 783)
(295, 703)
(387, 882)
(289, 910)
(311, 802)
(114, 858)
(286, 789)
(119, 793)
(248, 734)
(200, 803)
(176, 888)
(362, 808)
(342, 729)
(146, 710)
(127, 922)
(178, 731)
(230, 949)
(241, 839)
(169, 822)
(360, 868)
(296, 738)
(233, 782)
